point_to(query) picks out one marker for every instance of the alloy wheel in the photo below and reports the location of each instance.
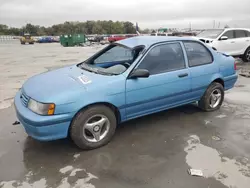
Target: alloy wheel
(96, 128)
(215, 98)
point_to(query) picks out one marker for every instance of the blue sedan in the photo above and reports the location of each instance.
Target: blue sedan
(127, 79)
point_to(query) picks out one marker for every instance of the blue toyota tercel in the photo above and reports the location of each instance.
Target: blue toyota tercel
(127, 79)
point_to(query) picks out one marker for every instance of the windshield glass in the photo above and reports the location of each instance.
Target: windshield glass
(113, 60)
(211, 33)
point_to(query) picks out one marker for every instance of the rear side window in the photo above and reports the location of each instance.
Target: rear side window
(240, 34)
(197, 54)
(229, 34)
(247, 33)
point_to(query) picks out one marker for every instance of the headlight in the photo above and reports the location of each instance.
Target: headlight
(41, 108)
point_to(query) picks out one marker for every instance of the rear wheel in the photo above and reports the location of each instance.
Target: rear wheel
(212, 98)
(93, 127)
(246, 56)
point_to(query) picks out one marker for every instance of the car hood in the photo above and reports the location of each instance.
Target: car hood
(63, 85)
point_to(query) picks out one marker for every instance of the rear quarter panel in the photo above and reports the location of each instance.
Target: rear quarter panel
(227, 70)
(202, 76)
(221, 68)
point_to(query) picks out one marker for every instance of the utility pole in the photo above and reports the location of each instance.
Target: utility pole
(190, 26)
(214, 24)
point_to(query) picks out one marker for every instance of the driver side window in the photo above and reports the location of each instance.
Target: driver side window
(163, 58)
(115, 54)
(229, 34)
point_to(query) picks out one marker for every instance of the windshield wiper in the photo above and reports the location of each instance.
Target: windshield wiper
(105, 73)
(96, 70)
(90, 69)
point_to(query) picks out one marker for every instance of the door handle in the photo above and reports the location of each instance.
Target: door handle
(233, 42)
(183, 75)
(247, 40)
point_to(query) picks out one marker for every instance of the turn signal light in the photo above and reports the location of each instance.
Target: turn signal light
(51, 109)
(235, 67)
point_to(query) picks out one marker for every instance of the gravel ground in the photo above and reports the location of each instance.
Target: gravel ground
(155, 151)
(20, 62)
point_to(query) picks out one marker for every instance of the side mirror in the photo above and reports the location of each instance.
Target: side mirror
(224, 38)
(139, 73)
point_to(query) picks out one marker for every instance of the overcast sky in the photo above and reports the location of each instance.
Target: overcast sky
(148, 13)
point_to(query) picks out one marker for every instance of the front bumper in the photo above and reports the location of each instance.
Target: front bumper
(43, 128)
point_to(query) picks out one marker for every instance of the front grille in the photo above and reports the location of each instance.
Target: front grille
(24, 98)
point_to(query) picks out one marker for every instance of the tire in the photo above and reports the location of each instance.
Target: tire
(81, 135)
(205, 102)
(31, 43)
(246, 56)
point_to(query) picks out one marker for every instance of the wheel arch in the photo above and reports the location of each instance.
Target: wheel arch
(219, 80)
(247, 49)
(217, 77)
(109, 105)
(114, 108)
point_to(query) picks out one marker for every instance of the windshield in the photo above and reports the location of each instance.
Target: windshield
(113, 60)
(211, 33)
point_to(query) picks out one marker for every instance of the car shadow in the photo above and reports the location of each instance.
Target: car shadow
(135, 137)
(67, 145)
(160, 116)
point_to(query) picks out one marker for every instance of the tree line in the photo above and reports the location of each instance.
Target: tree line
(88, 27)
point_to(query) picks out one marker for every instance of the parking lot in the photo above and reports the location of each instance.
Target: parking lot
(155, 151)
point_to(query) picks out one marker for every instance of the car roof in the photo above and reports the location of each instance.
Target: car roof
(227, 29)
(148, 41)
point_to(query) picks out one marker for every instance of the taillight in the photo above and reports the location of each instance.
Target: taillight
(235, 67)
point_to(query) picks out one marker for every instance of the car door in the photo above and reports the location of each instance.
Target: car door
(228, 46)
(201, 67)
(242, 41)
(168, 84)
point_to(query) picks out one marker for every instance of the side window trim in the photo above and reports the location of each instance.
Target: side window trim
(185, 54)
(159, 44)
(210, 53)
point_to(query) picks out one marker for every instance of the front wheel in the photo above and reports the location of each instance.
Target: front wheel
(212, 98)
(93, 127)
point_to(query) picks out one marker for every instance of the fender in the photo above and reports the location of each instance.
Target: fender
(216, 76)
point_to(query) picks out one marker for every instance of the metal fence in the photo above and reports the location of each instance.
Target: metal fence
(6, 39)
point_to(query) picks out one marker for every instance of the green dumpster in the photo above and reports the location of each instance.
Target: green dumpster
(72, 40)
(78, 39)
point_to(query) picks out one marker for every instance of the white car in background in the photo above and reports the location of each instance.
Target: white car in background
(231, 41)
